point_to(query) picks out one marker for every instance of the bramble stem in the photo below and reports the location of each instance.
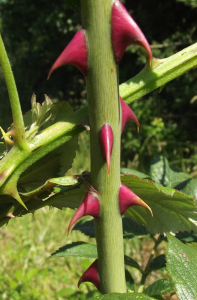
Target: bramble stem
(164, 70)
(104, 107)
(19, 129)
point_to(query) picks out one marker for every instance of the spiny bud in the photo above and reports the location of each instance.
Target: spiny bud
(106, 143)
(126, 32)
(128, 115)
(89, 207)
(91, 275)
(127, 199)
(75, 54)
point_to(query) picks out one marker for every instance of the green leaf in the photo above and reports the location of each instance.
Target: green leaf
(77, 249)
(130, 281)
(187, 237)
(85, 250)
(158, 263)
(71, 198)
(161, 171)
(188, 187)
(51, 165)
(159, 287)
(172, 210)
(116, 296)
(86, 227)
(182, 266)
(134, 172)
(130, 228)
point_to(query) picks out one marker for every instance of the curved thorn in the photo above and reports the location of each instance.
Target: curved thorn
(91, 275)
(90, 206)
(126, 32)
(106, 143)
(75, 54)
(127, 199)
(128, 115)
(10, 215)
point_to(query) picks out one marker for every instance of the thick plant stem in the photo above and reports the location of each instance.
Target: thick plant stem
(19, 128)
(104, 108)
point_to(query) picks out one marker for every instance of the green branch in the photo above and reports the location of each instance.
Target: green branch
(163, 71)
(18, 130)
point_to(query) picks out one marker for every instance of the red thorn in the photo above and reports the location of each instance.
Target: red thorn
(128, 115)
(106, 143)
(75, 54)
(90, 206)
(127, 199)
(126, 32)
(10, 215)
(91, 275)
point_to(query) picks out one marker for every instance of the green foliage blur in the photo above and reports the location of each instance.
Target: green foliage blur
(35, 33)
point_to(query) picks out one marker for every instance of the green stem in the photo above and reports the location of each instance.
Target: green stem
(147, 271)
(19, 129)
(104, 107)
(163, 71)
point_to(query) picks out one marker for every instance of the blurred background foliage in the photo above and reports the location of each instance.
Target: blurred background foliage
(35, 33)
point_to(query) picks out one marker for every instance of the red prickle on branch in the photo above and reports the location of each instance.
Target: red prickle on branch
(127, 199)
(126, 32)
(75, 53)
(91, 275)
(106, 143)
(128, 115)
(89, 207)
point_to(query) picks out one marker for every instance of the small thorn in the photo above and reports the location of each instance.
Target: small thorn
(126, 32)
(128, 115)
(127, 199)
(10, 215)
(89, 207)
(91, 275)
(75, 54)
(9, 143)
(106, 143)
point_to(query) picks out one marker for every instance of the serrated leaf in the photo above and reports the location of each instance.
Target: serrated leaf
(85, 250)
(130, 228)
(161, 171)
(51, 165)
(172, 210)
(77, 249)
(116, 296)
(188, 187)
(49, 184)
(158, 263)
(86, 227)
(134, 172)
(129, 281)
(187, 237)
(159, 287)
(71, 198)
(182, 266)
